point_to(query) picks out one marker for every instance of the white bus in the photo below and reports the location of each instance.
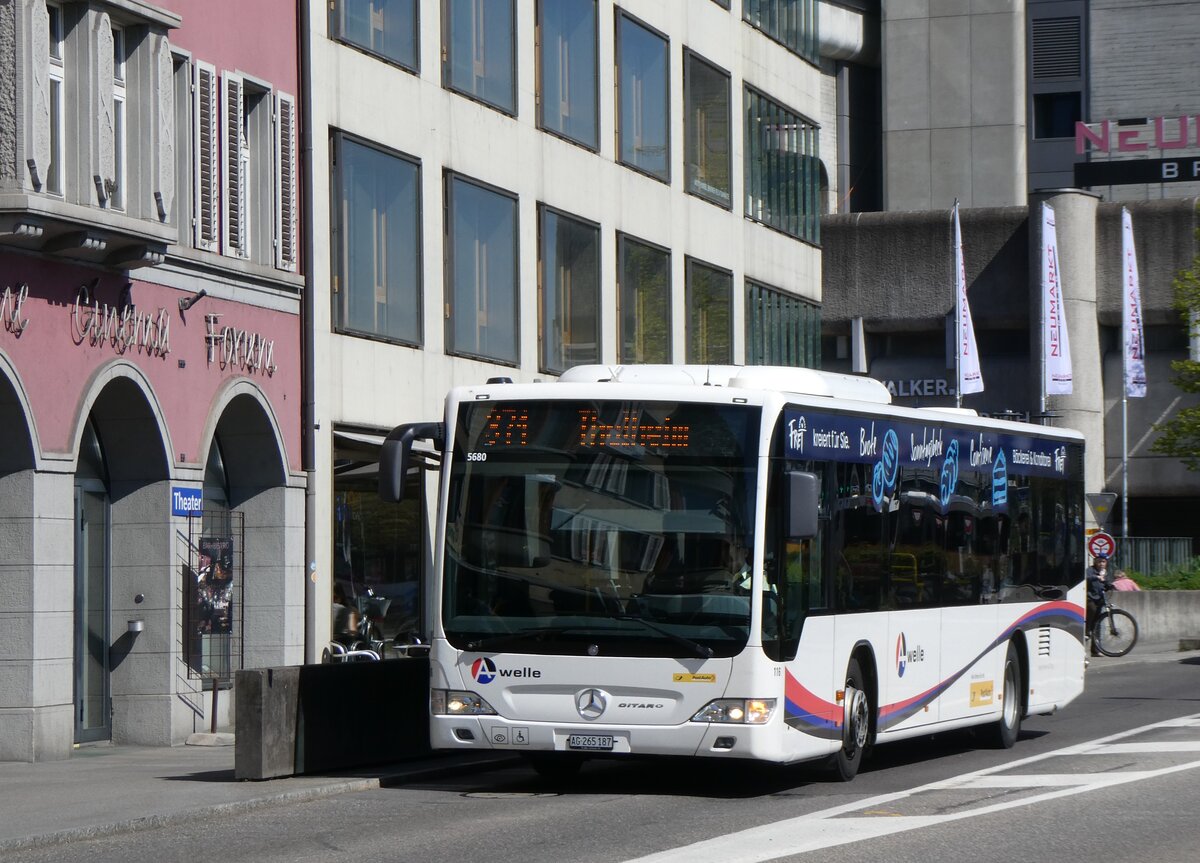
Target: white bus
(742, 563)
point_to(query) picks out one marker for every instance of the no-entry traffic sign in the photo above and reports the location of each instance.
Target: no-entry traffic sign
(1101, 544)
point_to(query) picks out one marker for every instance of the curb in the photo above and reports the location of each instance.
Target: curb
(300, 795)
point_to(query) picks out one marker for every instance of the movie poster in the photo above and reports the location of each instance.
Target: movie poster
(214, 585)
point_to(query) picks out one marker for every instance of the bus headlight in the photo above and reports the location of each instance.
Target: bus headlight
(455, 702)
(742, 711)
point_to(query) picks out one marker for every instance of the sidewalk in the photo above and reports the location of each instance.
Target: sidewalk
(103, 790)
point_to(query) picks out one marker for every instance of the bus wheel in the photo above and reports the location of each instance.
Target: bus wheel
(1003, 733)
(554, 766)
(856, 726)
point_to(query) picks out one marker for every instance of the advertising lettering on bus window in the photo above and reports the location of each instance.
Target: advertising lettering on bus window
(892, 444)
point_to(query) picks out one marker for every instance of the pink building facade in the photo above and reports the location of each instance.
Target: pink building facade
(151, 483)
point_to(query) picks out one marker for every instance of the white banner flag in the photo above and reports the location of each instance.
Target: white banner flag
(1056, 345)
(970, 378)
(1132, 338)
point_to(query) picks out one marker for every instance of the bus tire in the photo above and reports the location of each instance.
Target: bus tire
(1004, 732)
(856, 727)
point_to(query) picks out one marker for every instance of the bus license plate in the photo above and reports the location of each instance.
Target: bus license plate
(593, 742)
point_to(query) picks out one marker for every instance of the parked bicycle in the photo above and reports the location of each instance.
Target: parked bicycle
(1115, 630)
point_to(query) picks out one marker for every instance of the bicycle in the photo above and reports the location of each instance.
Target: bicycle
(1115, 630)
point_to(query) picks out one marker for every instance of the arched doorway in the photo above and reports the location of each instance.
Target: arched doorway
(122, 565)
(255, 610)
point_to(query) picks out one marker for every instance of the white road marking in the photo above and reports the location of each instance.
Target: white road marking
(838, 826)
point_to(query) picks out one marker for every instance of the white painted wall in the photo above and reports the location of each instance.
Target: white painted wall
(369, 383)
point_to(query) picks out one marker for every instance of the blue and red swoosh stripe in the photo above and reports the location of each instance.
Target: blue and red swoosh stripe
(805, 711)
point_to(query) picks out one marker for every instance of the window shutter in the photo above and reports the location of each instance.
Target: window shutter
(1057, 48)
(286, 220)
(38, 131)
(233, 160)
(204, 124)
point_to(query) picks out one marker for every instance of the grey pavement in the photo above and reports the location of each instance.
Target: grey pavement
(102, 790)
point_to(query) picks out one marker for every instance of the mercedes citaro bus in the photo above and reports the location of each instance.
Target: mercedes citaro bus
(762, 563)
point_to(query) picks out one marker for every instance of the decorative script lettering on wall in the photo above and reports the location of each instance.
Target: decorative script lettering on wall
(238, 349)
(12, 301)
(123, 327)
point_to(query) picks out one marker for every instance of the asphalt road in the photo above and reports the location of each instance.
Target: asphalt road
(1114, 777)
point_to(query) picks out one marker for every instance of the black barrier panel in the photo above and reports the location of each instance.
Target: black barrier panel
(356, 714)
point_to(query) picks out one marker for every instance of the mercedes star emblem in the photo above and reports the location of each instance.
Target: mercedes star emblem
(591, 703)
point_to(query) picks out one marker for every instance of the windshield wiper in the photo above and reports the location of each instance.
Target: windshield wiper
(530, 634)
(703, 651)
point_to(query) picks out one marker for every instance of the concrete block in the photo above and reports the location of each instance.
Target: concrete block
(997, 70)
(16, 733)
(906, 86)
(142, 720)
(951, 55)
(52, 682)
(900, 9)
(908, 180)
(16, 588)
(16, 678)
(16, 493)
(53, 730)
(998, 166)
(266, 723)
(54, 587)
(16, 635)
(54, 541)
(53, 635)
(16, 538)
(950, 151)
(941, 8)
(54, 496)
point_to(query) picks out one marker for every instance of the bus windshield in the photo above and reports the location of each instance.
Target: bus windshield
(618, 528)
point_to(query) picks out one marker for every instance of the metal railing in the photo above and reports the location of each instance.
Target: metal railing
(1151, 555)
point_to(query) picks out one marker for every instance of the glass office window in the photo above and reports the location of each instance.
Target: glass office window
(706, 130)
(570, 274)
(479, 51)
(792, 23)
(643, 102)
(481, 271)
(781, 329)
(568, 74)
(388, 28)
(709, 303)
(644, 276)
(376, 242)
(783, 170)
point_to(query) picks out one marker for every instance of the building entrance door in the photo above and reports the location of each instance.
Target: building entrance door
(93, 612)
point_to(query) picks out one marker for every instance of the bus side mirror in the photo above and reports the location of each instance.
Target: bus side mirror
(803, 499)
(396, 451)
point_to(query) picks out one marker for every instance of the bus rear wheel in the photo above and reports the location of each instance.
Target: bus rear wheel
(856, 726)
(1004, 732)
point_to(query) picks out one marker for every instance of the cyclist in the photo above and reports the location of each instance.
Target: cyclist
(1097, 583)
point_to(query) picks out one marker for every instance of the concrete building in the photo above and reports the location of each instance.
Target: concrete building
(518, 187)
(151, 491)
(1005, 106)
